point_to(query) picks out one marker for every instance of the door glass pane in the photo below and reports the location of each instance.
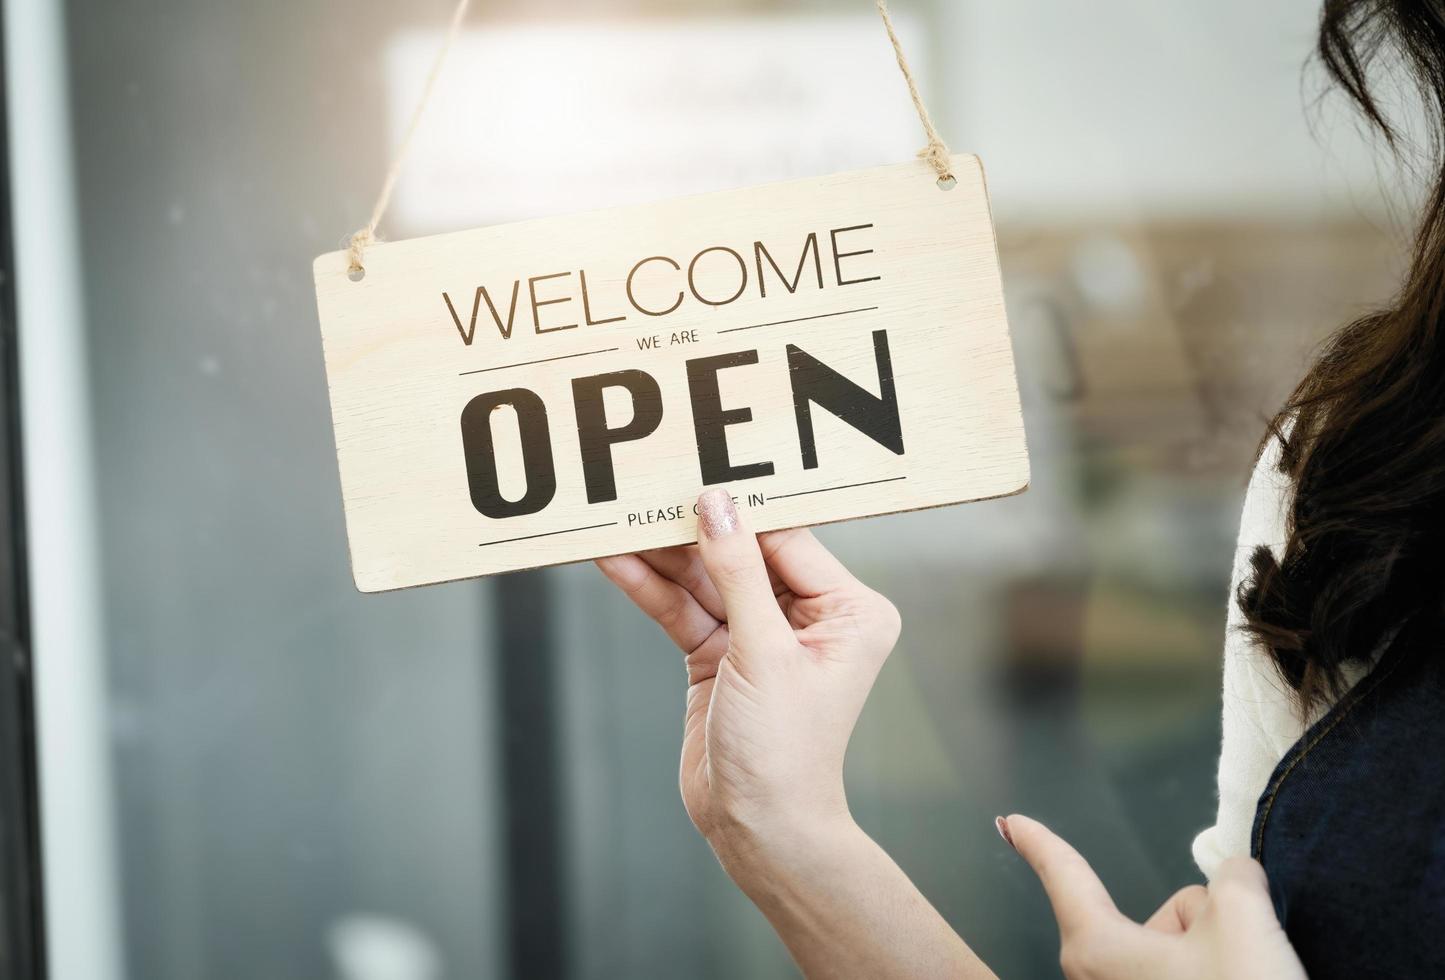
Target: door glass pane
(469, 779)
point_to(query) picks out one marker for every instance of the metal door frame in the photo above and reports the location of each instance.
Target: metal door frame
(22, 914)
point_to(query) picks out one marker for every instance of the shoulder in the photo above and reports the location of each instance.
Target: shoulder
(1267, 501)
(1260, 720)
(1254, 692)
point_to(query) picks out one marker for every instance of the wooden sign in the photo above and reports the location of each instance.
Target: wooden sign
(562, 389)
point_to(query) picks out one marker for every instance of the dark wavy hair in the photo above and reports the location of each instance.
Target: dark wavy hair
(1363, 435)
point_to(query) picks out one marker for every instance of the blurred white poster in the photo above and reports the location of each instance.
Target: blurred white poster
(532, 119)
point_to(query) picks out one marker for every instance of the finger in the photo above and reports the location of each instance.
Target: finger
(733, 561)
(805, 566)
(1246, 873)
(1239, 898)
(683, 565)
(1179, 913)
(666, 602)
(1078, 896)
(1240, 888)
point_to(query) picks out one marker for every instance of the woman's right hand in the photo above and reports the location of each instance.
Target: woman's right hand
(782, 646)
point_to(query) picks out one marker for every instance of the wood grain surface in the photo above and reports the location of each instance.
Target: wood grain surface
(560, 389)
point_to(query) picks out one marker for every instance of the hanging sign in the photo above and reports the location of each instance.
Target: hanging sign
(562, 389)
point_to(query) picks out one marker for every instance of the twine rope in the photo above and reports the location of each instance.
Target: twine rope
(367, 235)
(935, 154)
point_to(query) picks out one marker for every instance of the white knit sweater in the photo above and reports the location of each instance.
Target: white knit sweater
(1261, 722)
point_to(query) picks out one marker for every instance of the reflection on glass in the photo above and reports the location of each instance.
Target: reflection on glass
(314, 783)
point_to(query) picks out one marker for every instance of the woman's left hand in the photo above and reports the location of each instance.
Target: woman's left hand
(1226, 930)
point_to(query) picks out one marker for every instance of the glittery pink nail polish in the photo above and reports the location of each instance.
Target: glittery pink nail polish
(717, 515)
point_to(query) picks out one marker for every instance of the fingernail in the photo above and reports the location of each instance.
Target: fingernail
(718, 516)
(1002, 826)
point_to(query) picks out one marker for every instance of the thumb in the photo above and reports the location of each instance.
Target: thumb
(734, 562)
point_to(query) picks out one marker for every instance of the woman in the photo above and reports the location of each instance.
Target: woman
(1334, 713)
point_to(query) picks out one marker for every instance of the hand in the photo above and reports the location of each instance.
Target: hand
(1226, 930)
(782, 646)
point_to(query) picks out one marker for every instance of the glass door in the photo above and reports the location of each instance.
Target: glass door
(238, 766)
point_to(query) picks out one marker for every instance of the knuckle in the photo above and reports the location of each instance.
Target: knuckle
(876, 615)
(889, 618)
(1237, 878)
(1190, 893)
(1078, 957)
(734, 570)
(696, 581)
(671, 614)
(1235, 898)
(1242, 870)
(1225, 890)
(701, 814)
(1071, 961)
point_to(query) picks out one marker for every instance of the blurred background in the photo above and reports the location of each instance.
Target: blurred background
(288, 779)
